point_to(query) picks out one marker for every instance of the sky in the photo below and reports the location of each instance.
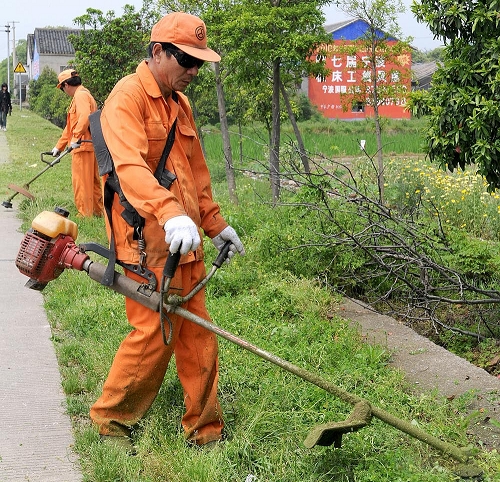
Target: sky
(31, 14)
(26, 15)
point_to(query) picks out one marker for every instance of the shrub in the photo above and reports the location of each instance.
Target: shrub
(47, 101)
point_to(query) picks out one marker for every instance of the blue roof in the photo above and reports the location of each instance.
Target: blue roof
(353, 30)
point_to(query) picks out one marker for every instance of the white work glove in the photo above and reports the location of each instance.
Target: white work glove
(229, 234)
(55, 152)
(74, 145)
(181, 232)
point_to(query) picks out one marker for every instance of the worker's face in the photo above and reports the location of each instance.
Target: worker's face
(68, 89)
(168, 73)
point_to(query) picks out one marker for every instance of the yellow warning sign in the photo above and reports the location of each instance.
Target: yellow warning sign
(20, 69)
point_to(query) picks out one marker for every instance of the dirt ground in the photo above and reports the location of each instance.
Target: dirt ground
(429, 367)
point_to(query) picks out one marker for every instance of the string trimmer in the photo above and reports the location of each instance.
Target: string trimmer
(49, 248)
(24, 189)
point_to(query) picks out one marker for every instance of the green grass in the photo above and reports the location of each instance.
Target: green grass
(324, 139)
(268, 412)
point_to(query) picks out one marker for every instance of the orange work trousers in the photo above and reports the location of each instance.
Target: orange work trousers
(87, 188)
(142, 359)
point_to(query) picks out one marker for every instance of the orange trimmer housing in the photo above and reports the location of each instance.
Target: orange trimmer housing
(49, 248)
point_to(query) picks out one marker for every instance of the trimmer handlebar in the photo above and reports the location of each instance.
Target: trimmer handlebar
(47, 153)
(55, 159)
(174, 258)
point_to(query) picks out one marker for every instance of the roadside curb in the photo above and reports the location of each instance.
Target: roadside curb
(431, 368)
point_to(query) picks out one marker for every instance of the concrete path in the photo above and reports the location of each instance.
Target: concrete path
(35, 432)
(429, 367)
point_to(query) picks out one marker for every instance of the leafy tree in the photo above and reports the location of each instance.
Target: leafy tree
(203, 101)
(378, 50)
(46, 100)
(266, 48)
(462, 103)
(267, 45)
(21, 48)
(110, 47)
(3, 71)
(226, 140)
(427, 55)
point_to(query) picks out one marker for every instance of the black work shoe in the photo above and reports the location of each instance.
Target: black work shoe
(121, 443)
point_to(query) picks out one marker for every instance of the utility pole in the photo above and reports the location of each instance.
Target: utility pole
(7, 29)
(14, 60)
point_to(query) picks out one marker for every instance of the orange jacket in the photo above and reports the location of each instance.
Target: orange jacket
(135, 122)
(77, 121)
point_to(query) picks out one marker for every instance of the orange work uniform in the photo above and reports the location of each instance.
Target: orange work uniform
(85, 178)
(135, 122)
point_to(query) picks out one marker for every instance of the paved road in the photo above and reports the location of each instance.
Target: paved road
(36, 439)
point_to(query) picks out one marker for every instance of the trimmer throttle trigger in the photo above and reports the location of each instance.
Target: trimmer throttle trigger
(222, 255)
(171, 264)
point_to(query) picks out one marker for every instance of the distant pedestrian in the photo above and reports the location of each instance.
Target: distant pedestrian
(85, 178)
(5, 106)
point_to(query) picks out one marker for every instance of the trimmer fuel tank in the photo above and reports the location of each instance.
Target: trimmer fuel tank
(54, 223)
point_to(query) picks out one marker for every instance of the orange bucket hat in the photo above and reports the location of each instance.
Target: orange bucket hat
(187, 32)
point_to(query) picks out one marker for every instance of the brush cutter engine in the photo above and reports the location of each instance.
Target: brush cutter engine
(43, 258)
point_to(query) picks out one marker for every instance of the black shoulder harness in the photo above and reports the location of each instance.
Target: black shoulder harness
(112, 187)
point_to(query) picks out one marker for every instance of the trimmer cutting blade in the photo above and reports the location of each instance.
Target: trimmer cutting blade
(331, 433)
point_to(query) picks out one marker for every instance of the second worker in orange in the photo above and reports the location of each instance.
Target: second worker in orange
(85, 178)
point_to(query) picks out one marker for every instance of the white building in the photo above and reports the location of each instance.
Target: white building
(49, 47)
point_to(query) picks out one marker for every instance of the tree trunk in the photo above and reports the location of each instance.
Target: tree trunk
(226, 141)
(298, 135)
(378, 129)
(240, 142)
(198, 129)
(380, 157)
(274, 152)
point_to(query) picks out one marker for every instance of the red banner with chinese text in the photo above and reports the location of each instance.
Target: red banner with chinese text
(345, 93)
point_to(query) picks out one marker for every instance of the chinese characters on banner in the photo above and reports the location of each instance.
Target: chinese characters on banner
(352, 73)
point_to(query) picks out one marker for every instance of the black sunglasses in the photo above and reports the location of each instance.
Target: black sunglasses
(185, 60)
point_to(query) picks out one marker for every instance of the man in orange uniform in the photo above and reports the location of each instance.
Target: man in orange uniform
(136, 120)
(84, 173)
